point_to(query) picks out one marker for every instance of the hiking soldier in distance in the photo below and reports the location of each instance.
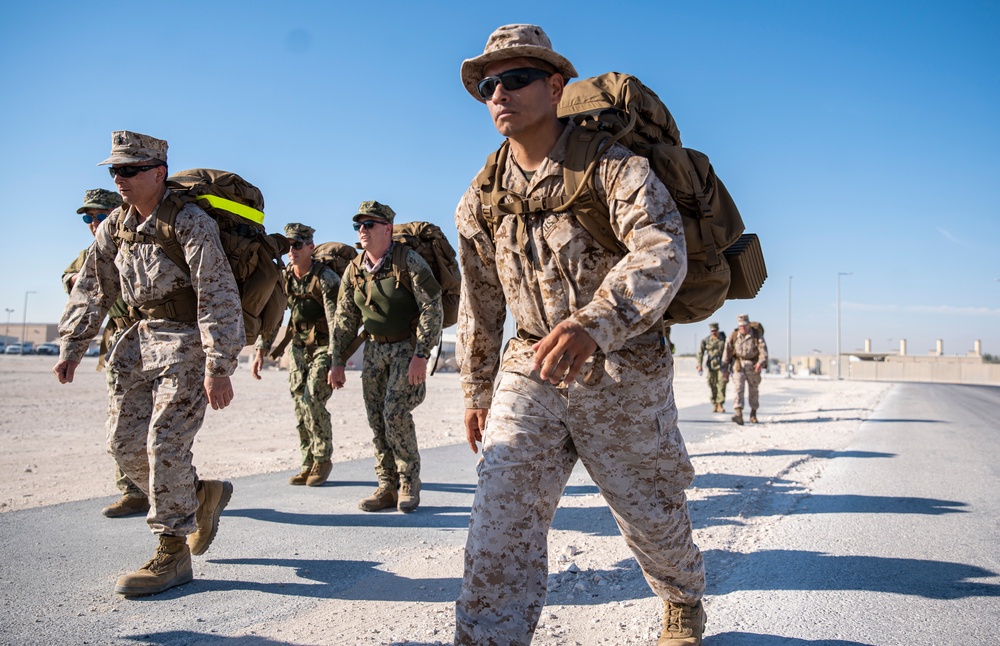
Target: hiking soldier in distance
(169, 366)
(312, 296)
(588, 374)
(402, 326)
(97, 205)
(745, 358)
(712, 348)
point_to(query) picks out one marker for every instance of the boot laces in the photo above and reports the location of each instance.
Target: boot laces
(677, 618)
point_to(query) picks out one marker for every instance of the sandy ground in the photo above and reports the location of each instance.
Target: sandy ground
(54, 451)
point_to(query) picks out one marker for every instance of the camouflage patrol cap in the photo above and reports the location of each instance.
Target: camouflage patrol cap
(100, 198)
(714, 327)
(133, 148)
(743, 319)
(372, 209)
(513, 41)
(300, 232)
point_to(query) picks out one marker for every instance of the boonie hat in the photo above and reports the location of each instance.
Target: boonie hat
(100, 198)
(743, 319)
(513, 41)
(134, 148)
(300, 232)
(372, 209)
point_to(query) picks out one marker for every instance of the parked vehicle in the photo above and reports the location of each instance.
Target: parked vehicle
(15, 348)
(50, 349)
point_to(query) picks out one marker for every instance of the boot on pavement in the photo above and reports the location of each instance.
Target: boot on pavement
(753, 415)
(682, 625)
(715, 408)
(302, 476)
(213, 496)
(320, 472)
(169, 567)
(385, 497)
(409, 495)
(738, 417)
(127, 506)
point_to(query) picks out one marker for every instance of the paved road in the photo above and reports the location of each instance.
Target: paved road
(897, 545)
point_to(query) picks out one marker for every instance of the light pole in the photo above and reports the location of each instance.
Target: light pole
(6, 332)
(788, 363)
(24, 320)
(839, 274)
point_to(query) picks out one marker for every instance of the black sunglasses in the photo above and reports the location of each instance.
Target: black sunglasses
(298, 244)
(368, 224)
(511, 80)
(130, 171)
(89, 219)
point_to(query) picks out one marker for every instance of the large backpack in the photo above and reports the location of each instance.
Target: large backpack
(335, 255)
(618, 108)
(254, 256)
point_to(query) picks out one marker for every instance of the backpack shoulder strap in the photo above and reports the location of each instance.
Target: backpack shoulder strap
(166, 234)
(584, 150)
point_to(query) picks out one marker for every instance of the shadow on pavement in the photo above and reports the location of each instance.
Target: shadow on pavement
(756, 639)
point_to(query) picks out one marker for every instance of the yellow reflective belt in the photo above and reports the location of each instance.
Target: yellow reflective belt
(241, 210)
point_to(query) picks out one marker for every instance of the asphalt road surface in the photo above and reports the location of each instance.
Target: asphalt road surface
(899, 544)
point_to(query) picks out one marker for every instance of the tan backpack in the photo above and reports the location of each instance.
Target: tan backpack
(254, 256)
(618, 108)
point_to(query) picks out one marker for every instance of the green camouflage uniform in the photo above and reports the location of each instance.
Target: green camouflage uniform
(713, 347)
(389, 396)
(313, 301)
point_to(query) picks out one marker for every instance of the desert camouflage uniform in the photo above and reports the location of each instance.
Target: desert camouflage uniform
(159, 397)
(389, 396)
(309, 358)
(122, 482)
(619, 415)
(743, 352)
(712, 347)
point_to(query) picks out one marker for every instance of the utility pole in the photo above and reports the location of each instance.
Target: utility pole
(788, 363)
(6, 332)
(839, 274)
(24, 319)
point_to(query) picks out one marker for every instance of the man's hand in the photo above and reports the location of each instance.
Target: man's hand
(258, 363)
(562, 353)
(475, 424)
(757, 368)
(64, 370)
(725, 376)
(699, 371)
(219, 391)
(337, 377)
(417, 374)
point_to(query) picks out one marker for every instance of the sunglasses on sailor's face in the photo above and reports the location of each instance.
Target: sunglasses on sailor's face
(130, 171)
(100, 217)
(368, 224)
(511, 80)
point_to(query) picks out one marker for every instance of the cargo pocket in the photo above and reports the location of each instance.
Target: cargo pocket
(674, 472)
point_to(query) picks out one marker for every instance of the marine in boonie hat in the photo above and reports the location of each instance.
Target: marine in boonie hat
(373, 209)
(100, 198)
(299, 232)
(133, 148)
(513, 41)
(743, 319)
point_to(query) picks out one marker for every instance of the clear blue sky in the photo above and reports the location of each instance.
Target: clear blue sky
(857, 137)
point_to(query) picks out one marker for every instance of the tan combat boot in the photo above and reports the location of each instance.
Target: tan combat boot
(213, 496)
(409, 495)
(169, 567)
(383, 498)
(127, 506)
(682, 625)
(738, 417)
(753, 415)
(302, 476)
(320, 472)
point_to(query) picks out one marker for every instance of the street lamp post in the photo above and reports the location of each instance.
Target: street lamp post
(839, 274)
(788, 363)
(24, 319)
(6, 332)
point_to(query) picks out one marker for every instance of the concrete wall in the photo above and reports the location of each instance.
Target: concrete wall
(945, 369)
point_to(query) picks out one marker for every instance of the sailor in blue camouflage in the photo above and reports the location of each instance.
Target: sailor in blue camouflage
(312, 298)
(403, 327)
(588, 376)
(167, 370)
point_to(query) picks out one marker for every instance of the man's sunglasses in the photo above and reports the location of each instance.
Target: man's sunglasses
(368, 224)
(298, 244)
(89, 219)
(511, 80)
(130, 171)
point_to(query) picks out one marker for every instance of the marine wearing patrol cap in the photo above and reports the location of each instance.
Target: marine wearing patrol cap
(134, 148)
(372, 209)
(714, 327)
(100, 198)
(743, 319)
(299, 232)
